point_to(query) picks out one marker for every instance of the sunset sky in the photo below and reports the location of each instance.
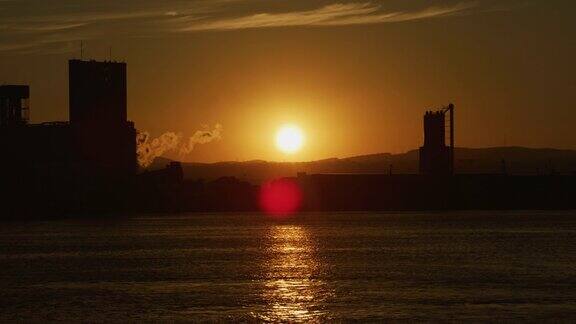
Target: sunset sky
(355, 76)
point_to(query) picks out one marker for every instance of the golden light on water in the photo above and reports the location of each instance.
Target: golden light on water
(292, 291)
(289, 139)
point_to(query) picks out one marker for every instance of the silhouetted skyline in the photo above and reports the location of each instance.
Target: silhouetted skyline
(354, 80)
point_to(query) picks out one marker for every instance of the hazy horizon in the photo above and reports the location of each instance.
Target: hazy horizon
(344, 157)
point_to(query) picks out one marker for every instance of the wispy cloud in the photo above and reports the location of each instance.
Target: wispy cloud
(319, 16)
(31, 26)
(330, 15)
(47, 27)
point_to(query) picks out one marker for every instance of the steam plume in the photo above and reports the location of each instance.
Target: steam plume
(201, 137)
(149, 148)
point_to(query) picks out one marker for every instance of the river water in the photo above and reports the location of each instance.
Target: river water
(479, 266)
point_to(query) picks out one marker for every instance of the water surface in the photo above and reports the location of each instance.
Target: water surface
(312, 267)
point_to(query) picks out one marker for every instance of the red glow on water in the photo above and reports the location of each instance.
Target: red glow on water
(281, 197)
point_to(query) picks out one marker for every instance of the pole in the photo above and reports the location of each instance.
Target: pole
(451, 107)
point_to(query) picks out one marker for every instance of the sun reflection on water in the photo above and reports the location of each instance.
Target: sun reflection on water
(292, 290)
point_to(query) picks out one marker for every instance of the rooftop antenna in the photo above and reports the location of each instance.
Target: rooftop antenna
(81, 50)
(110, 53)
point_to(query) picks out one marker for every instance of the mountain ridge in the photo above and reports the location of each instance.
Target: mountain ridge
(513, 159)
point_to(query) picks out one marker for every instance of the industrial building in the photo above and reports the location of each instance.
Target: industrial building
(97, 141)
(105, 139)
(86, 163)
(436, 158)
(14, 105)
(437, 186)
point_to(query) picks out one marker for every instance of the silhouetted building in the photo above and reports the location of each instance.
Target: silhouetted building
(85, 164)
(97, 93)
(361, 192)
(98, 115)
(30, 150)
(14, 110)
(98, 143)
(436, 158)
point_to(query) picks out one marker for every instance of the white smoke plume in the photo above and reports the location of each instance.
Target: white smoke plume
(149, 148)
(201, 137)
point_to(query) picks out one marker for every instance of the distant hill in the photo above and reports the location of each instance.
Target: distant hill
(518, 160)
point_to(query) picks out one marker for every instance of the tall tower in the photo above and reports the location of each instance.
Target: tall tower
(97, 93)
(14, 109)
(105, 139)
(435, 157)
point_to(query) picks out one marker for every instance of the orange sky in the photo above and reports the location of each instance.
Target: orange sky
(356, 76)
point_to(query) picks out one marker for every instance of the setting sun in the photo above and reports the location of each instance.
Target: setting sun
(289, 139)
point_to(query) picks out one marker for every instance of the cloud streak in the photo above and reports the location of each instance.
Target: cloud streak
(330, 15)
(25, 26)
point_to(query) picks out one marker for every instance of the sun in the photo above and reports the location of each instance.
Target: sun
(289, 139)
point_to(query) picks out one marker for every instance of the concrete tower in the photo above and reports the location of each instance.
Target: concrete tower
(98, 116)
(435, 157)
